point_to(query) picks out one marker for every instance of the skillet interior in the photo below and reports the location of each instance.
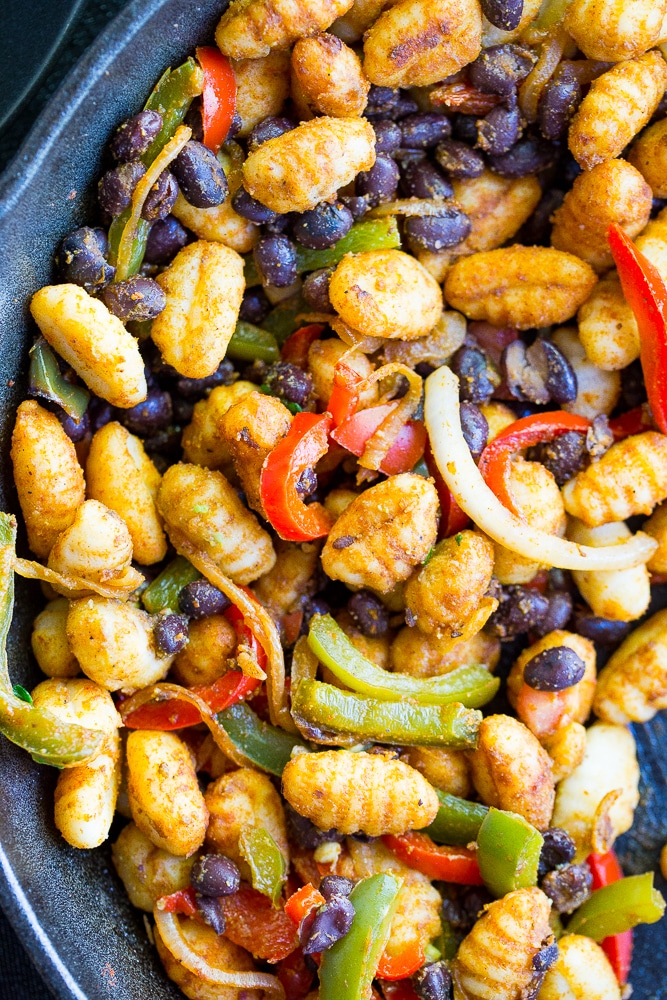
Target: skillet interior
(67, 906)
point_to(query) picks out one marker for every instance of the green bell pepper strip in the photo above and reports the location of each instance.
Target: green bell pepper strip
(267, 746)
(162, 593)
(328, 715)
(172, 97)
(267, 864)
(45, 736)
(508, 852)
(471, 686)
(282, 321)
(47, 382)
(250, 343)
(116, 230)
(374, 234)
(348, 967)
(457, 821)
(618, 907)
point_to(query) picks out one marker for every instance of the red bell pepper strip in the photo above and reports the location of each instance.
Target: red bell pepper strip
(495, 461)
(394, 967)
(254, 924)
(218, 96)
(295, 976)
(345, 393)
(635, 421)
(183, 901)
(295, 348)
(447, 864)
(302, 902)
(452, 518)
(646, 293)
(404, 453)
(175, 714)
(605, 869)
(302, 447)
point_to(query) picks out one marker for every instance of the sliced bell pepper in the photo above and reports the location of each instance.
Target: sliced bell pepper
(218, 95)
(171, 97)
(405, 452)
(182, 901)
(245, 634)
(457, 821)
(618, 907)
(295, 976)
(301, 902)
(605, 869)
(348, 967)
(495, 461)
(646, 293)
(326, 714)
(295, 349)
(254, 924)
(250, 343)
(268, 747)
(447, 864)
(452, 518)
(635, 421)
(508, 851)
(345, 393)
(471, 686)
(162, 593)
(402, 965)
(174, 714)
(47, 382)
(302, 447)
(265, 860)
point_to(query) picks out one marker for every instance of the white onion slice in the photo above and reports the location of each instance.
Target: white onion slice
(169, 927)
(456, 465)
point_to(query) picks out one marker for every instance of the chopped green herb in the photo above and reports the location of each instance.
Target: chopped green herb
(21, 693)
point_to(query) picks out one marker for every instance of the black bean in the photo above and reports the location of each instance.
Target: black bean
(182, 410)
(255, 372)
(599, 437)
(438, 232)
(545, 957)
(554, 669)
(165, 239)
(369, 614)
(275, 258)
(322, 226)
(498, 69)
(559, 100)
(133, 137)
(602, 631)
(424, 130)
(357, 204)
(194, 121)
(171, 633)
(307, 483)
(200, 175)
(558, 613)
(520, 609)
(99, 413)
(388, 136)
(381, 100)
(193, 389)
(335, 885)
(404, 106)
(564, 456)
(536, 231)
(379, 183)
(633, 386)
(478, 380)
(255, 306)
(524, 380)
(135, 299)
(331, 923)
(475, 428)
(80, 259)
(465, 128)
(152, 415)
(568, 887)
(315, 290)
(528, 156)
(200, 599)
(499, 131)
(270, 128)
(306, 834)
(289, 382)
(76, 430)
(458, 159)
(211, 913)
(421, 179)
(433, 982)
(505, 14)
(560, 376)
(235, 126)
(161, 198)
(115, 188)
(558, 849)
(249, 208)
(215, 875)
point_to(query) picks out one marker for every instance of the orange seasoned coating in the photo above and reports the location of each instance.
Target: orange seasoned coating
(211, 644)
(384, 533)
(47, 475)
(613, 30)
(202, 440)
(292, 577)
(496, 958)
(630, 478)
(612, 192)
(386, 293)
(49, 641)
(618, 105)
(297, 170)
(216, 951)
(249, 29)
(220, 224)
(359, 792)
(324, 355)
(510, 770)
(581, 970)
(421, 655)
(250, 429)
(417, 42)
(262, 87)
(146, 871)
(566, 747)
(648, 154)
(607, 326)
(330, 76)
(619, 594)
(352, 25)
(598, 390)
(632, 687)
(656, 527)
(652, 242)
(519, 286)
(442, 767)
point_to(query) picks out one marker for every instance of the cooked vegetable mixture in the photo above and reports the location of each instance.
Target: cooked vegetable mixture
(344, 471)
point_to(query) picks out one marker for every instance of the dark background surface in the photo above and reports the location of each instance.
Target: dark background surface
(30, 72)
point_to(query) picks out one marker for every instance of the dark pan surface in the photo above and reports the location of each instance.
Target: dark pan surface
(68, 906)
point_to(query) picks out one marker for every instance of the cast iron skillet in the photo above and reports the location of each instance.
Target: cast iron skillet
(68, 906)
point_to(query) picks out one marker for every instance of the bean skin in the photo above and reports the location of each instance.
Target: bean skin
(115, 188)
(331, 923)
(270, 128)
(520, 609)
(315, 290)
(560, 99)
(249, 208)
(458, 159)
(380, 183)
(601, 631)
(152, 415)
(498, 69)
(76, 430)
(433, 982)
(558, 849)
(369, 614)
(438, 232)
(193, 389)
(424, 130)
(421, 179)
(275, 257)
(357, 204)
(171, 633)
(136, 299)
(381, 101)
(558, 614)
(306, 834)
(211, 913)
(568, 887)
(554, 669)
(255, 306)
(165, 239)
(215, 875)
(545, 957)
(81, 259)
(133, 137)
(200, 176)
(475, 428)
(388, 136)
(477, 379)
(564, 457)
(322, 226)
(289, 382)
(499, 131)
(528, 156)
(161, 197)
(504, 14)
(465, 128)
(335, 885)
(201, 599)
